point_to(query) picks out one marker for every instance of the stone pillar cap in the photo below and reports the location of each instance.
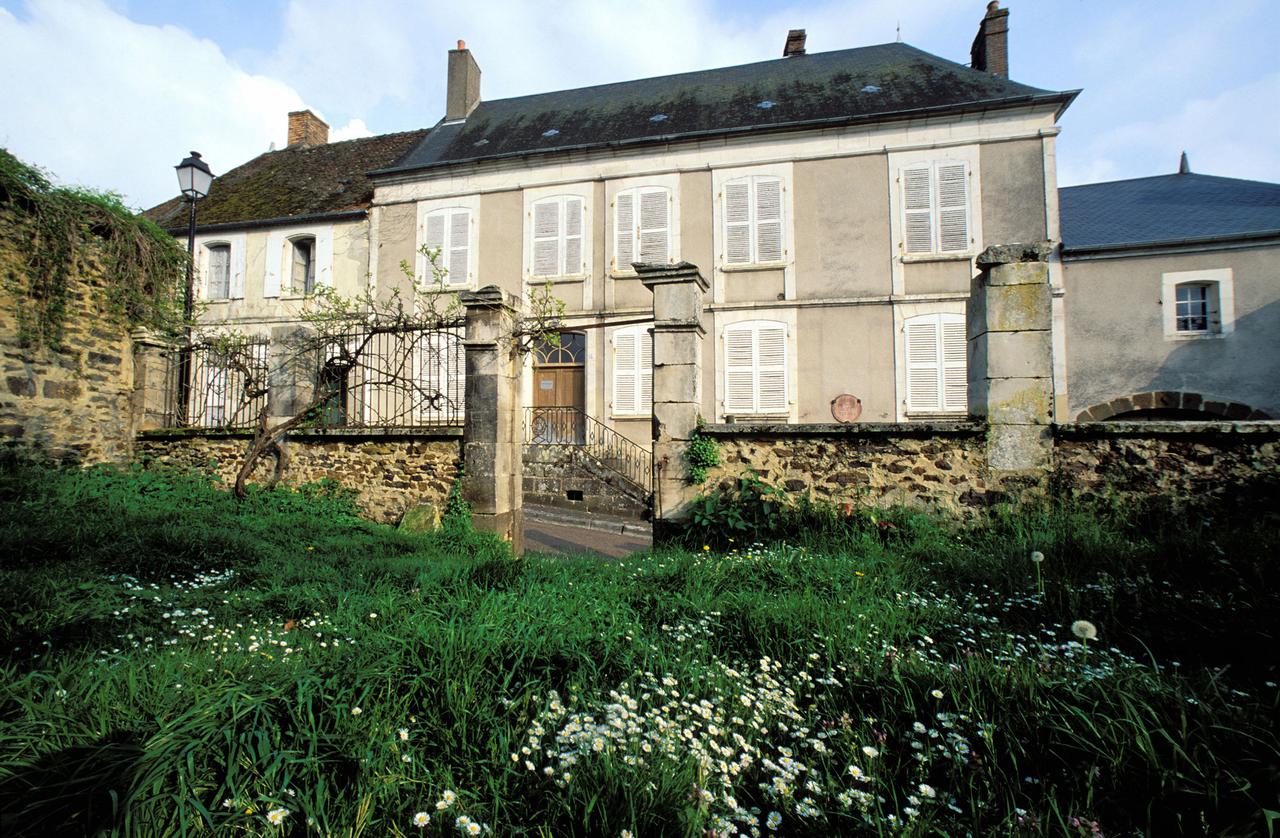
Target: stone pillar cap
(1006, 254)
(659, 273)
(489, 297)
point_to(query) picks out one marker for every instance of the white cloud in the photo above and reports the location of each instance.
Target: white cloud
(353, 130)
(112, 104)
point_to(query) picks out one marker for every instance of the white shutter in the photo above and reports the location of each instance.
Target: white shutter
(459, 253)
(546, 237)
(953, 207)
(768, 220)
(955, 383)
(739, 369)
(237, 270)
(573, 263)
(655, 225)
(433, 237)
(923, 367)
(644, 371)
(324, 258)
(737, 222)
(771, 368)
(624, 230)
(917, 206)
(624, 371)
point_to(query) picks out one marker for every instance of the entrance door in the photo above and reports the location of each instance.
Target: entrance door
(559, 390)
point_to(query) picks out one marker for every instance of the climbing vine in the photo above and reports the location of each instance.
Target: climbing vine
(56, 228)
(702, 455)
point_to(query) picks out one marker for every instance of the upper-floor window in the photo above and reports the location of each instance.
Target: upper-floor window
(448, 231)
(557, 237)
(218, 277)
(633, 371)
(302, 274)
(1198, 304)
(755, 368)
(935, 207)
(936, 371)
(642, 226)
(753, 224)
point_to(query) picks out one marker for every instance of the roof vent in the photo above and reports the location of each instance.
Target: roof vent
(871, 88)
(550, 132)
(658, 117)
(766, 104)
(1184, 165)
(795, 43)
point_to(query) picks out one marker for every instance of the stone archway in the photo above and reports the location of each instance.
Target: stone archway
(1170, 404)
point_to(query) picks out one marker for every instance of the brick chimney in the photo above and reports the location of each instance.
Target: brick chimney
(990, 50)
(795, 43)
(464, 84)
(306, 129)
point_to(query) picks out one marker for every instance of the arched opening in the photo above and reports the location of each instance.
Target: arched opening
(1170, 406)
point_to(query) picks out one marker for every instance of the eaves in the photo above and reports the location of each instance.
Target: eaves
(282, 221)
(1191, 244)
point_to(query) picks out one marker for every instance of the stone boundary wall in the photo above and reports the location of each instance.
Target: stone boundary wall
(390, 471)
(881, 464)
(552, 471)
(73, 404)
(1201, 461)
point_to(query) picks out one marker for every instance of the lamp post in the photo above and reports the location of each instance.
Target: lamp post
(194, 179)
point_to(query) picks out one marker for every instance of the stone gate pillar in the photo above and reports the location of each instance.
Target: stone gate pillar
(155, 382)
(1010, 323)
(677, 382)
(494, 473)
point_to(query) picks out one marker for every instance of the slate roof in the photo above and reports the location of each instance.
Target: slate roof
(863, 84)
(1167, 209)
(293, 182)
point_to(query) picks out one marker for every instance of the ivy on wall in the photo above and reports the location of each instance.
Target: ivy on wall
(57, 228)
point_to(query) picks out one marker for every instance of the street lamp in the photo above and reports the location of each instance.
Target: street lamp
(194, 179)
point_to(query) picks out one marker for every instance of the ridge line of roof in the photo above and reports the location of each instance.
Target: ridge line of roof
(1165, 176)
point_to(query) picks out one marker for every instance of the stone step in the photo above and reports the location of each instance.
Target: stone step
(588, 521)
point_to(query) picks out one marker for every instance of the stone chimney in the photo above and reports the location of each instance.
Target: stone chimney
(990, 50)
(795, 43)
(306, 129)
(464, 84)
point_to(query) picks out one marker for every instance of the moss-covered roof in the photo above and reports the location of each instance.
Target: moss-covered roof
(865, 84)
(294, 181)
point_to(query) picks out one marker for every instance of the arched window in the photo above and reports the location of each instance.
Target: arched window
(217, 283)
(302, 274)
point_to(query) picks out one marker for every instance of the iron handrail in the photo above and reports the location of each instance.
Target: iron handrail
(571, 426)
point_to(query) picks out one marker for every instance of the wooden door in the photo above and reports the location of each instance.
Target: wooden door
(559, 403)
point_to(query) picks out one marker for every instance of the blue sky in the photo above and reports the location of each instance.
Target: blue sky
(112, 93)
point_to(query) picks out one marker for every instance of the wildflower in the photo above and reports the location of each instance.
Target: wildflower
(859, 573)
(406, 758)
(473, 828)
(421, 819)
(373, 615)
(870, 751)
(706, 548)
(1036, 557)
(446, 800)
(404, 734)
(936, 693)
(927, 790)
(626, 833)
(277, 816)
(1084, 629)
(774, 820)
(462, 822)
(356, 711)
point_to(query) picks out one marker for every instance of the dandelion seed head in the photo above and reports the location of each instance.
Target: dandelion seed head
(1084, 629)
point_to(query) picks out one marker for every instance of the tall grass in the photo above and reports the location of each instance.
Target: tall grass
(181, 663)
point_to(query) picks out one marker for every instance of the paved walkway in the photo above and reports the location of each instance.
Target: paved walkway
(543, 537)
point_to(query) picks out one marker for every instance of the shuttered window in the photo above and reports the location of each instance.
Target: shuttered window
(441, 369)
(753, 221)
(755, 368)
(218, 284)
(632, 371)
(449, 232)
(937, 378)
(557, 237)
(935, 208)
(642, 226)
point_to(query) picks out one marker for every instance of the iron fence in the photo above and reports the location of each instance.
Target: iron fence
(571, 426)
(228, 386)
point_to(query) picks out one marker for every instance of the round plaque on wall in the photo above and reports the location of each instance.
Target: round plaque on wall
(846, 408)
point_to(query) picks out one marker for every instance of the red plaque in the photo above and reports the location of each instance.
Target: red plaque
(846, 408)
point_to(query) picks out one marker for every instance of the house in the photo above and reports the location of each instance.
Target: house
(1174, 303)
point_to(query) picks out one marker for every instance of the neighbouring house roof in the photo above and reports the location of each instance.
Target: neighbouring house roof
(1167, 209)
(864, 84)
(293, 183)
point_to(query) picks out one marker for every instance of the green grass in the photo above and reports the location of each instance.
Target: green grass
(177, 662)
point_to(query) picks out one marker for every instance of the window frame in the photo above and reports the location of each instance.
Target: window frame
(941, 319)
(935, 209)
(637, 193)
(1219, 303)
(309, 280)
(448, 208)
(755, 326)
(585, 241)
(753, 222)
(207, 249)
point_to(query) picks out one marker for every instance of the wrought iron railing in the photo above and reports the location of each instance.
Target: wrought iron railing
(571, 426)
(228, 386)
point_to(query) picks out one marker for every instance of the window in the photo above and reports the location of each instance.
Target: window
(633, 371)
(755, 368)
(1198, 304)
(441, 377)
(570, 351)
(937, 375)
(935, 207)
(303, 272)
(557, 237)
(753, 220)
(449, 232)
(642, 226)
(218, 280)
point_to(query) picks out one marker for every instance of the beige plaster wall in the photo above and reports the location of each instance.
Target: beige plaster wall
(937, 277)
(845, 350)
(753, 286)
(1115, 335)
(501, 240)
(397, 235)
(697, 244)
(1013, 207)
(842, 244)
